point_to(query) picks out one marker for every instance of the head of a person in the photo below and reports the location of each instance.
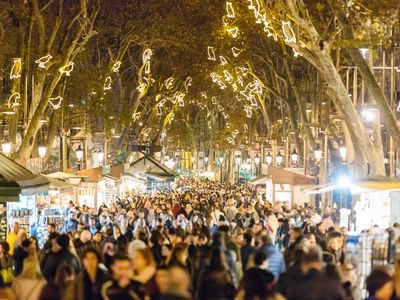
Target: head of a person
(91, 259)
(261, 260)
(179, 280)
(312, 259)
(334, 241)
(98, 237)
(31, 269)
(22, 235)
(51, 228)
(60, 243)
(85, 236)
(380, 284)
(16, 227)
(121, 267)
(142, 259)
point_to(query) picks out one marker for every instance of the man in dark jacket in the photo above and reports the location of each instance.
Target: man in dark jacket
(247, 250)
(20, 253)
(59, 255)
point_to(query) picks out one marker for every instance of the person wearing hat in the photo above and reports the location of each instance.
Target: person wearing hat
(59, 255)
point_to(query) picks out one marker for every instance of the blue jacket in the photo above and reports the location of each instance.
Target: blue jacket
(276, 262)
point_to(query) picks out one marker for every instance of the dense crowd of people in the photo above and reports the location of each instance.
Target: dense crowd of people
(206, 241)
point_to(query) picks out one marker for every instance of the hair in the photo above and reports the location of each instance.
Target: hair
(147, 256)
(176, 256)
(52, 225)
(63, 272)
(218, 268)
(377, 279)
(314, 254)
(248, 237)
(119, 257)
(50, 292)
(94, 251)
(31, 269)
(260, 257)
(6, 246)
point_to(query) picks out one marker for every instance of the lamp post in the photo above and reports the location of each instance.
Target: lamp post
(257, 163)
(317, 156)
(79, 156)
(294, 157)
(42, 153)
(220, 160)
(247, 167)
(238, 161)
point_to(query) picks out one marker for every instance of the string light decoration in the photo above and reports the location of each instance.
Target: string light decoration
(67, 69)
(146, 57)
(13, 100)
(235, 87)
(43, 61)
(107, 83)
(147, 131)
(228, 76)
(204, 95)
(225, 115)
(220, 108)
(235, 133)
(213, 100)
(217, 79)
(136, 116)
(16, 68)
(159, 110)
(230, 11)
(244, 71)
(55, 102)
(230, 140)
(288, 32)
(116, 66)
(211, 53)
(255, 7)
(169, 83)
(223, 60)
(236, 51)
(188, 83)
(233, 32)
(248, 110)
(228, 125)
(240, 81)
(295, 53)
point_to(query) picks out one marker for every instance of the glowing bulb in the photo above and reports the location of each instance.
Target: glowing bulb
(116, 66)
(288, 32)
(43, 61)
(147, 67)
(248, 110)
(159, 110)
(228, 125)
(147, 55)
(220, 108)
(67, 69)
(188, 83)
(233, 32)
(295, 53)
(55, 102)
(236, 51)
(107, 83)
(229, 9)
(214, 100)
(42, 151)
(230, 140)
(228, 76)
(211, 53)
(16, 69)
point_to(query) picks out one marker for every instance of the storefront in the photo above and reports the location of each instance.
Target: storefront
(130, 185)
(106, 190)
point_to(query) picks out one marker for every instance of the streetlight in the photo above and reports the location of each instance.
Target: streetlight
(294, 157)
(257, 163)
(238, 160)
(318, 153)
(42, 151)
(279, 158)
(268, 158)
(220, 160)
(79, 155)
(343, 152)
(6, 148)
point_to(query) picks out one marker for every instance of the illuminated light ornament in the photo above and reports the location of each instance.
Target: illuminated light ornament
(16, 68)
(169, 82)
(230, 11)
(147, 67)
(255, 7)
(235, 133)
(55, 102)
(288, 32)
(211, 53)
(230, 140)
(116, 66)
(147, 55)
(295, 53)
(240, 80)
(253, 102)
(233, 32)
(213, 100)
(236, 51)
(220, 108)
(257, 88)
(209, 124)
(188, 83)
(244, 71)
(235, 87)
(147, 131)
(228, 125)
(43, 61)
(107, 84)
(248, 110)
(141, 88)
(223, 60)
(136, 116)
(204, 95)
(13, 101)
(67, 69)
(228, 76)
(159, 110)
(225, 115)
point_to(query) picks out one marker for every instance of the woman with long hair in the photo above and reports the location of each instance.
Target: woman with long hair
(178, 256)
(28, 285)
(216, 282)
(144, 272)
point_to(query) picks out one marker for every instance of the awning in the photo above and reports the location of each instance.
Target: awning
(15, 178)
(283, 176)
(260, 180)
(159, 176)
